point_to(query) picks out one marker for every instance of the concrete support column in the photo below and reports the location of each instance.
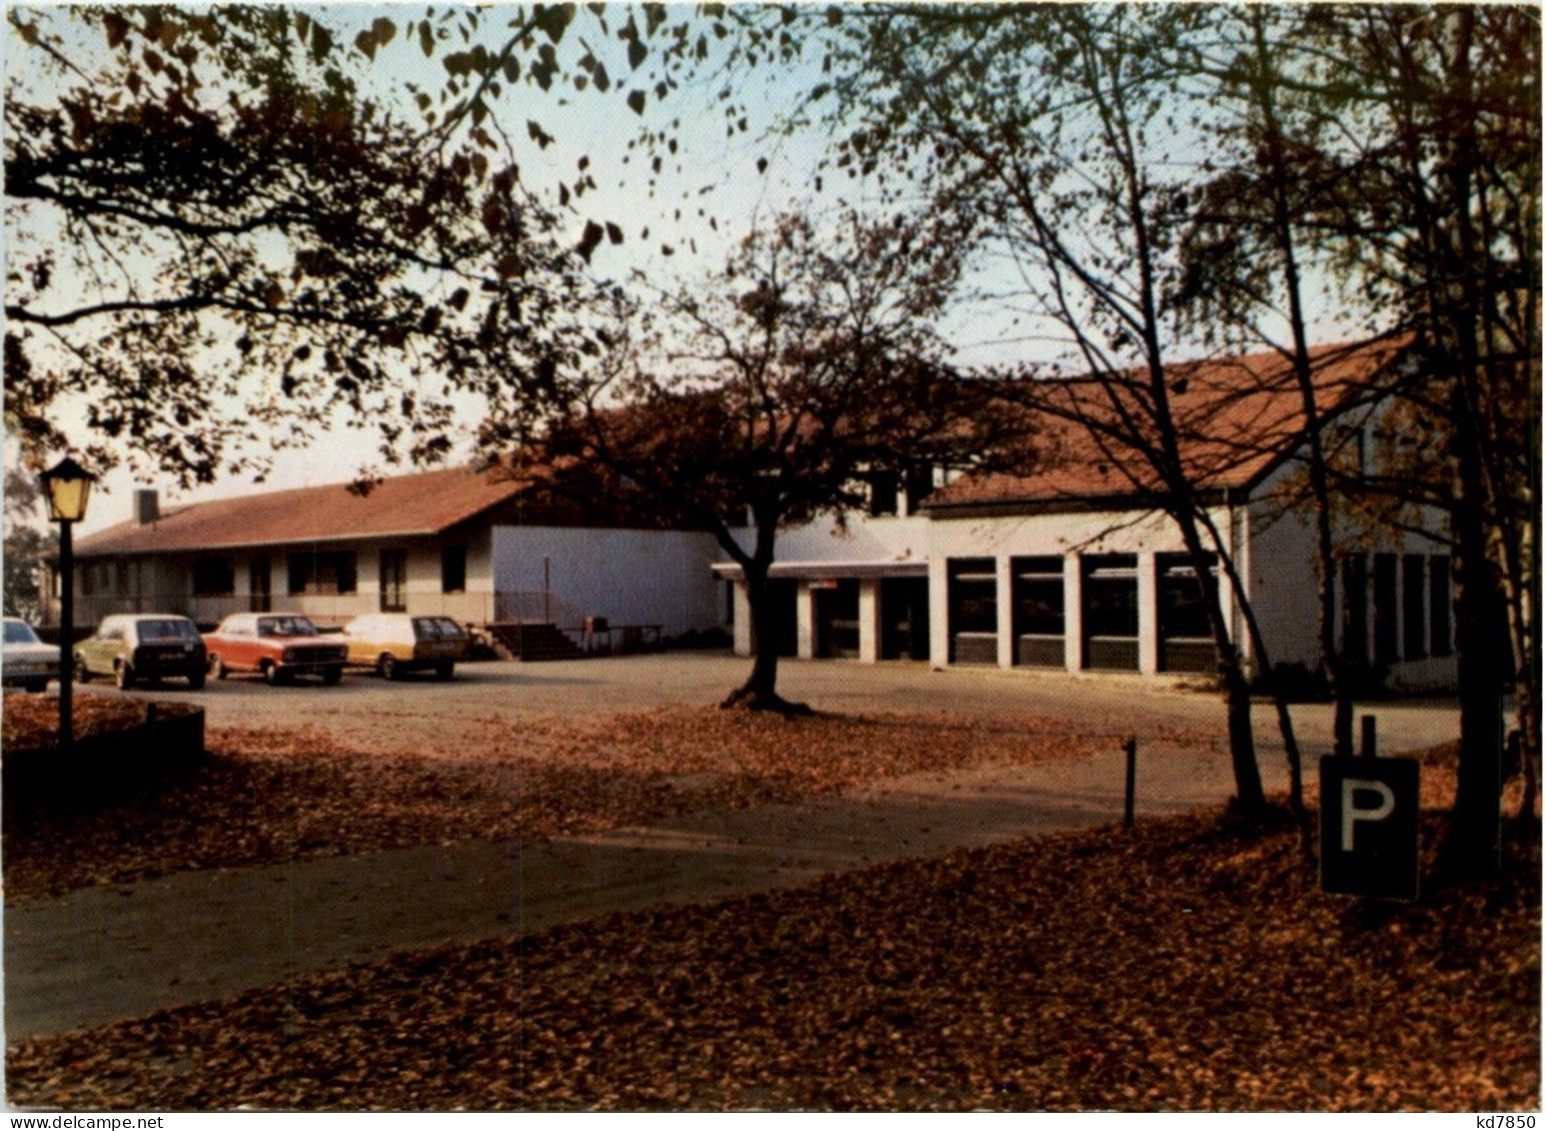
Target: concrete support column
(743, 642)
(1073, 611)
(804, 621)
(1006, 641)
(1147, 613)
(1239, 549)
(939, 614)
(869, 619)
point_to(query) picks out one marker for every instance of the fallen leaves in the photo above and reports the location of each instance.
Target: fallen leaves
(272, 794)
(1098, 970)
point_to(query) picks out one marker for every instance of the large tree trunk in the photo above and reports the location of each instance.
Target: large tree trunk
(760, 691)
(1471, 848)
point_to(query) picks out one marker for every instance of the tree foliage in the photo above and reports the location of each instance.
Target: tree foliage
(776, 391)
(217, 241)
(26, 543)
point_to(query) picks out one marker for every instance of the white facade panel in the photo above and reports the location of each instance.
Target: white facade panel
(631, 577)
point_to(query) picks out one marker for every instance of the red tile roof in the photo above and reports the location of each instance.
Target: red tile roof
(426, 503)
(1237, 419)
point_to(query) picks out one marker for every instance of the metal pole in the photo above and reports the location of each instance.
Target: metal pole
(547, 589)
(1130, 747)
(66, 636)
(1370, 747)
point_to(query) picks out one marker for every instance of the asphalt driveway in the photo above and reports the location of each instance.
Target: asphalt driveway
(366, 707)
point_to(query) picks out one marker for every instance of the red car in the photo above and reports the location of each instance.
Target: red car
(278, 646)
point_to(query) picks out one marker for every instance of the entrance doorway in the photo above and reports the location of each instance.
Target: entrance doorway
(394, 581)
(259, 586)
(836, 619)
(904, 618)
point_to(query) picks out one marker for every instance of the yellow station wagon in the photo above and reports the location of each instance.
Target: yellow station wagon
(393, 643)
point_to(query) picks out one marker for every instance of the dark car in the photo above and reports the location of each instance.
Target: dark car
(135, 647)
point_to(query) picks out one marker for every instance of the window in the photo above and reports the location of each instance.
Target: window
(1182, 600)
(884, 493)
(1440, 604)
(1385, 611)
(1110, 612)
(323, 573)
(453, 569)
(1039, 617)
(974, 595)
(920, 484)
(973, 608)
(1413, 602)
(97, 578)
(394, 581)
(1038, 607)
(214, 577)
(1110, 596)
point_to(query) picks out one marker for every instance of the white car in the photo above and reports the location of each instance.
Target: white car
(27, 662)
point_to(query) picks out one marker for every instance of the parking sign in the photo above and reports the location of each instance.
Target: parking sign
(1369, 813)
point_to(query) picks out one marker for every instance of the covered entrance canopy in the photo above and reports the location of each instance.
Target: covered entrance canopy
(864, 610)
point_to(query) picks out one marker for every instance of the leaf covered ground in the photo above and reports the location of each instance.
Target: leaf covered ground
(1189, 965)
(272, 794)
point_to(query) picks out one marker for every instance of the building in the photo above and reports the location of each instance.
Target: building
(478, 546)
(1075, 566)
(1069, 565)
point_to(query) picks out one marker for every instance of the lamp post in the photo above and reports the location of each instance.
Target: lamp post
(66, 485)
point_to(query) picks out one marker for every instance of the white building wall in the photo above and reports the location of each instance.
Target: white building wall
(1283, 575)
(1283, 583)
(864, 539)
(631, 577)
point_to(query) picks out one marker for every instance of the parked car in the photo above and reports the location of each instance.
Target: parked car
(393, 643)
(132, 647)
(27, 661)
(278, 646)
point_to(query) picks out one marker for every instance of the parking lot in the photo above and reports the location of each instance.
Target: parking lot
(497, 694)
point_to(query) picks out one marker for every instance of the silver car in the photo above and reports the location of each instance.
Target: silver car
(27, 662)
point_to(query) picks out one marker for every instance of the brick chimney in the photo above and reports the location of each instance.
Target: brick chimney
(147, 506)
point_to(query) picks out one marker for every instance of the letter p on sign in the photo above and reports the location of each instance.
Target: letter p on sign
(1351, 812)
(1369, 813)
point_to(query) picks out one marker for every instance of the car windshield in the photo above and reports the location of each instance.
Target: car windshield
(286, 626)
(167, 630)
(20, 632)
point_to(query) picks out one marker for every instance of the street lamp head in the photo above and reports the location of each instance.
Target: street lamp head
(67, 485)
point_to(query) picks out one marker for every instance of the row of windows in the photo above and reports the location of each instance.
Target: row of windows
(324, 572)
(1411, 606)
(1109, 613)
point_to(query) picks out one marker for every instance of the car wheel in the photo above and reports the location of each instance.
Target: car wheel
(387, 666)
(332, 676)
(217, 667)
(38, 686)
(82, 672)
(196, 681)
(444, 671)
(272, 675)
(125, 677)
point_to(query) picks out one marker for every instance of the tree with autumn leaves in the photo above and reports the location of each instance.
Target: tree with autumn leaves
(777, 391)
(218, 245)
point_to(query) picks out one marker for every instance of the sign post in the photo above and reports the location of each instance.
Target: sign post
(1369, 822)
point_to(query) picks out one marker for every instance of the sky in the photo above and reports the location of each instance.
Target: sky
(718, 176)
